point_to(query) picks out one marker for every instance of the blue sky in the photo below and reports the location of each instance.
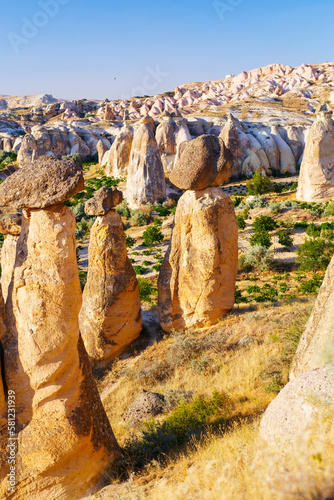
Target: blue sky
(76, 48)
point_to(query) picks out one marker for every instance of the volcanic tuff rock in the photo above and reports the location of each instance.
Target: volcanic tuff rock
(205, 162)
(237, 142)
(316, 179)
(319, 330)
(3, 405)
(298, 408)
(119, 154)
(146, 178)
(110, 318)
(197, 279)
(287, 162)
(45, 183)
(64, 437)
(10, 225)
(103, 200)
(101, 150)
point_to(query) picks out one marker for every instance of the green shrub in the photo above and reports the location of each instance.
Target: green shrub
(313, 231)
(241, 222)
(315, 254)
(83, 278)
(259, 184)
(157, 267)
(147, 263)
(140, 269)
(130, 242)
(261, 238)
(301, 225)
(236, 201)
(329, 209)
(312, 286)
(285, 240)
(162, 211)
(264, 223)
(259, 257)
(146, 290)
(139, 218)
(123, 209)
(152, 235)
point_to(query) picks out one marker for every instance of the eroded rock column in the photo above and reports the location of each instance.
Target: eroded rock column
(110, 318)
(65, 442)
(10, 225)
(197, 279)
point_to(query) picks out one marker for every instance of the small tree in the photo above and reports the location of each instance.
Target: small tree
(152, 235)
(285, 240)
(130, 242)
(264, 223)
(262, 238)
(241, 222)
(259, 184)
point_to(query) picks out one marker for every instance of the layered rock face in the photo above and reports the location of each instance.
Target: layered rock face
(319, 330)
(146, 178)
(119, 155)
(65, 442)
(316, 179)
(197, 279)
(110, 318)
(11, 227)
(298, 408)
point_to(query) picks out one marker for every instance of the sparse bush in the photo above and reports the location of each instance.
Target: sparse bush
(157, 267)
(312, 286)
(130, 242)
(329, 209)
(139, 218)
(313, 231)
(241, 222)
(123, 209)
(257, 202)
(301, 225)
(79, 211)
(274, 208)
(83, 278)
(140, 269)
(259, 184)
(259, 257)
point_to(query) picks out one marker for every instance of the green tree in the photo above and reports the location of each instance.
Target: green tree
(152, 235)
(259, 184)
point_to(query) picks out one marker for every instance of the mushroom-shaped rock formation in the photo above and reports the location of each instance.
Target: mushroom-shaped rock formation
(110, 318)
(65, 442)
(205, 162)
(119, 155)
(38, 185)
(197, 279)
(146, 177)
(316, 179)
(10, 225)
(319, 331)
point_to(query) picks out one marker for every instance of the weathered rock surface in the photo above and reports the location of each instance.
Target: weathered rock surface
(237, 143)
(65, 441)
(205, 162)
(197, 279)
(146, 178)
(101, 150)
(297, 407)
(146, 406)
(287, 162)
(8, 257)
(119, 156)
(11, 224)
(316, 178)
(103, 200)
(269, 145)
(45, 183)
(319, 330)
(110, 318)
(4, 420)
